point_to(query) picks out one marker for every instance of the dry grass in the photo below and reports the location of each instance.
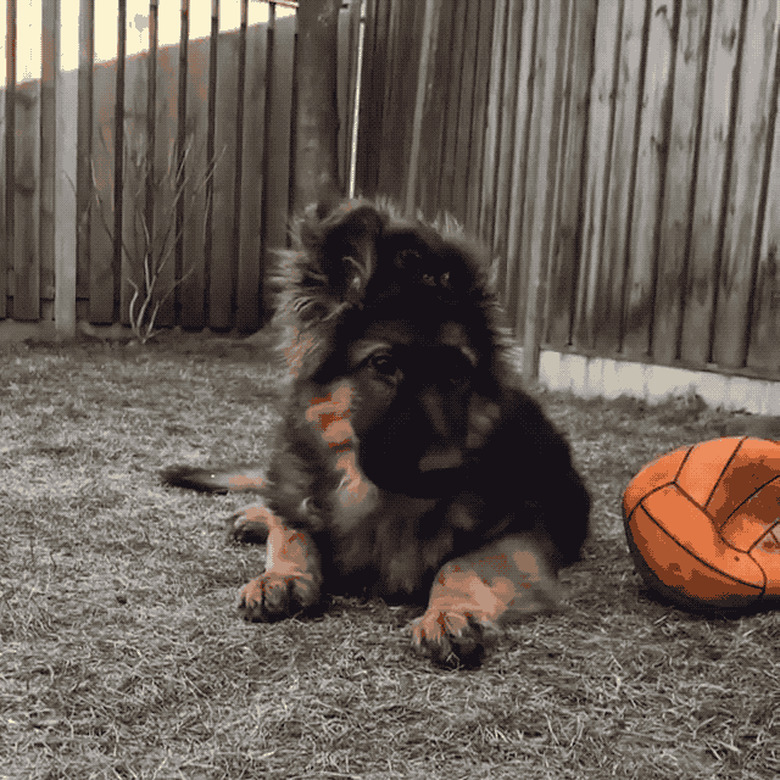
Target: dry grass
(122, 655)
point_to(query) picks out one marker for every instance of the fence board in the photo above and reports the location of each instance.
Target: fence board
(649, 171)
(714, 146)
(610, 285)
(476, 143)
(744, 209)
(370, 120)
(487, 196)
(435, 110)
(675, 236)
(65, 205)
(165, 180)
(223, 270)
(134, 182)
(423, 88)
(542, 170)
(26, 289)
(565, 258)
(389, 132)
(50, 31)
(596, 179)
(249, 305)
(84, 152)
(5, 253)
(449, 173)
(9, 158)
(523, 114)
(456, 202)
(511, 61)
(101, 230)
(765, 326)
(277, 207)
(192, 289)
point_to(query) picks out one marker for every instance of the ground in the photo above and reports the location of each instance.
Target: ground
(122, 655)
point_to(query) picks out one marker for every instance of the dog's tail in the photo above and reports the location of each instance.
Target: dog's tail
(215, 480)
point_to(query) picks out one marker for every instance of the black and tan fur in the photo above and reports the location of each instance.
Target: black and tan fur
(409, 464)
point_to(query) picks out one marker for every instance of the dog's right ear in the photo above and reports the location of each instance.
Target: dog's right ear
(343, 245)
(335, 258)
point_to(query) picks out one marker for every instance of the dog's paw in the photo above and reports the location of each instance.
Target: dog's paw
(273, 596)
(249, 525)
(450, 639)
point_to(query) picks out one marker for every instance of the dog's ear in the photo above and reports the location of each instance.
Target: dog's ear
(343, 243)
(336, 258)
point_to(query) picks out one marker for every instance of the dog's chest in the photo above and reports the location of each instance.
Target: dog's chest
(379, 532)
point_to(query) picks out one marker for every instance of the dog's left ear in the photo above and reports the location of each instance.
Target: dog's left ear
(342, 246)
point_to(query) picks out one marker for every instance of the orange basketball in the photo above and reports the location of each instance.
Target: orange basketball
(703, 523)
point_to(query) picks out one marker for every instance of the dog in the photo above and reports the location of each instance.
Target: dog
(409, 463)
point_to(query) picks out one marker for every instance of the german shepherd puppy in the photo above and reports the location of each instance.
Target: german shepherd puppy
(409, 464)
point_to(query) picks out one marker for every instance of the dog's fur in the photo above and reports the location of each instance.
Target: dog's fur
(409, 463)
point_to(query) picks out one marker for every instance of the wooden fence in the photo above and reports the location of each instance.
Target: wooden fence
(621, 157)
(181, 154)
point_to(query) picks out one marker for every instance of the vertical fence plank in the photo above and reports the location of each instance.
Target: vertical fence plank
(355, 65)
(370, 119)
(26, 289)
(435, 113)
(249, 305)
(621, 166)
(348, 32)
(511, 62)
(65, 195)
(84, 152)
(224, 252)
(423, 90)
(5, 254)
(278, 170)
(196, 173)
(137, 160)
(385, 149)
(565, 249)
(449, 171)
(675, 230)
(596, 185)
(456, 198)
(405, 37)
(516, 263)
(543, 165)
(487, 198)
(639, 296)
(765, 327)
(706, 230)
(476, 153)
(102, 162)
(744, 210)
(50, 32)
(9, 167)
(27, 194)
(165, 165)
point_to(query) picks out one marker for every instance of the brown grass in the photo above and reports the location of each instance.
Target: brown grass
(122, 655)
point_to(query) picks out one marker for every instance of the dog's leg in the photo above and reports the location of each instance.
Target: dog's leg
(292, 579)
(496, 584)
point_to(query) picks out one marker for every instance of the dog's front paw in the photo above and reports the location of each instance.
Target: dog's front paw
(250, 524)
(273, 596)
(449, 638)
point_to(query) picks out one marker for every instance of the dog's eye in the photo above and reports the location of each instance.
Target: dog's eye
(384, 365)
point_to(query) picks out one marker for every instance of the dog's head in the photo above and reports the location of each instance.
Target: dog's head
(400, 311)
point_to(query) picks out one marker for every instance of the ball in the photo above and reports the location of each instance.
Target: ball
(703, 523)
